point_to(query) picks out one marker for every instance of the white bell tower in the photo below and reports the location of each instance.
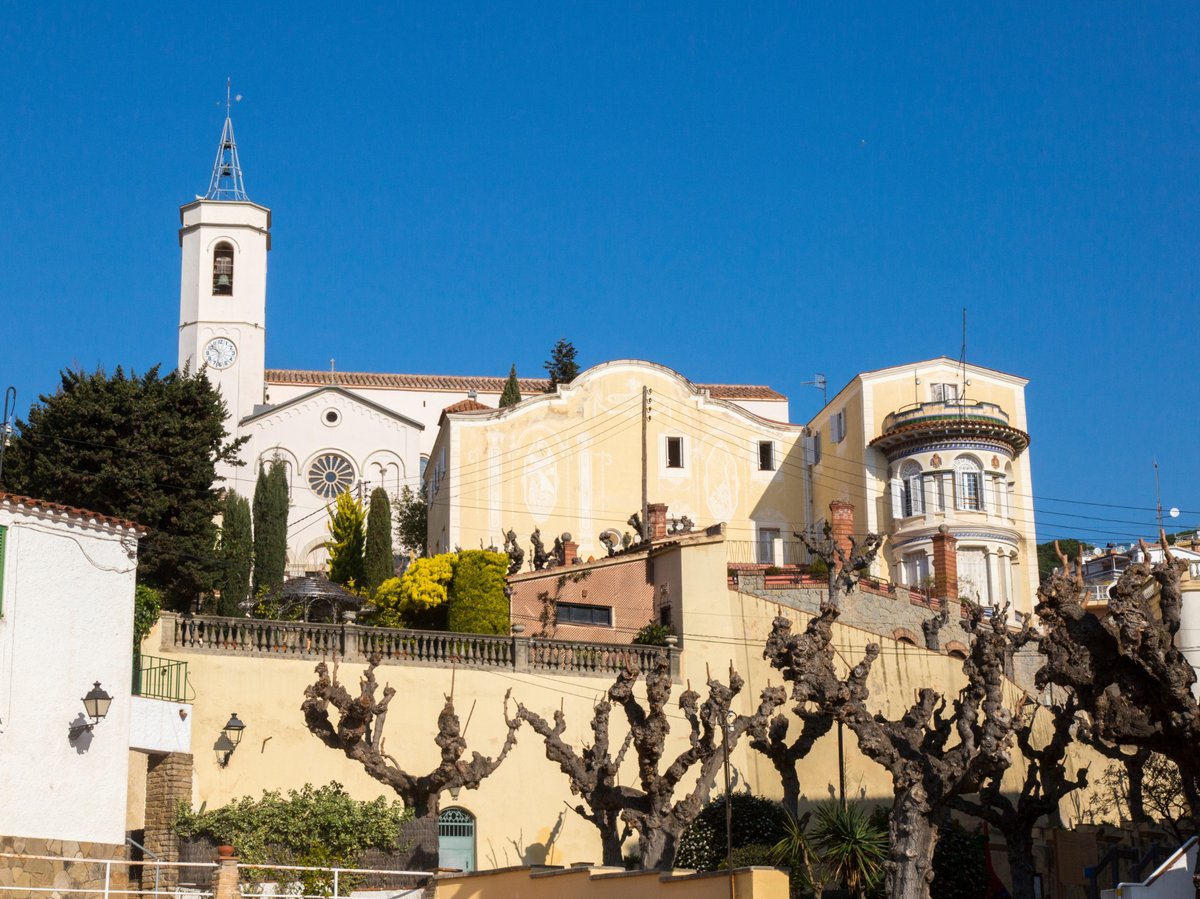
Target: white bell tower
(224, 239)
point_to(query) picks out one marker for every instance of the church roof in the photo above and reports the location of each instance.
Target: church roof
(267, 411)
(480, 384)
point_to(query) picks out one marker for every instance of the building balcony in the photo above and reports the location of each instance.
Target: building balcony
(920, 423)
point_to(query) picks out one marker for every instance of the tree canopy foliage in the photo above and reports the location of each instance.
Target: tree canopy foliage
(143, 448)
(270, 526)
(347, 539)
(412, 520)
(561, 366)
(379, 562)
(236, 554)
(512, 390)
(1048, 559)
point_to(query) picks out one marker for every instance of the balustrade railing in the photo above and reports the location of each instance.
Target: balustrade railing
(356, 643)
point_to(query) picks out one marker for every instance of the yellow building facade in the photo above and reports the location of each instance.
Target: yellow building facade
(931, 445)
(582, 460)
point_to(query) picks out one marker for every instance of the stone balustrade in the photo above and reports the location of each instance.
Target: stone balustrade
(393, 646)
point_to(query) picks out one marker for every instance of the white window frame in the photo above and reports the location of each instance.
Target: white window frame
(944, 392)
(766, 541)
(969, 485)
(683, 454)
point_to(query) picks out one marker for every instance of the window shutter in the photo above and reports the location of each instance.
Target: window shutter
(897, 499)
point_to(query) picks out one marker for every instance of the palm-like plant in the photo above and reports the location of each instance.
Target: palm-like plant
(795, 851)
(852, 848)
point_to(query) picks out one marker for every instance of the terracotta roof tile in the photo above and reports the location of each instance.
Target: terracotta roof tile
(467, 405)
(43, 505)
(467, 383)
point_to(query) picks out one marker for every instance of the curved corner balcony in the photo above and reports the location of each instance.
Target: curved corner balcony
(970, 420)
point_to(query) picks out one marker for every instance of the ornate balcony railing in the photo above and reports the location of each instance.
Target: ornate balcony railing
(356, 643)
(945, 411)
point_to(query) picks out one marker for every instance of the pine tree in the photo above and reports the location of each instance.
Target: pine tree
(141, 447)
(235, 555)
(346, 540)
(561, 366)
(512, 390)
(270, 526)
(379, 562)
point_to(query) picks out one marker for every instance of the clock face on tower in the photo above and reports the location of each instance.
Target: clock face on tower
(220, 353)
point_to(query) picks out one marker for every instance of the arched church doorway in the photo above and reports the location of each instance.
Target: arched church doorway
(456, 839)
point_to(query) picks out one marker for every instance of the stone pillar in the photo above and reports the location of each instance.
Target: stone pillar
(656, 514)
(945, 565)
(225, 879)
(841, 523)
(168, 782)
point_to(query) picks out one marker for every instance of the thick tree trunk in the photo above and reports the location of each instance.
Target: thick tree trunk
(421, 833)
(791, 789)
(658, 849)
(914, 835)
(610, 842)
(1020, 864)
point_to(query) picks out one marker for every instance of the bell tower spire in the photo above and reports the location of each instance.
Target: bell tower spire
(226, 181)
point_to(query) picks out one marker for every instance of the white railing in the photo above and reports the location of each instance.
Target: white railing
(113, 876)
(268, 883)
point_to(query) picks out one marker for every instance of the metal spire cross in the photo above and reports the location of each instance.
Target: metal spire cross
(226, 181)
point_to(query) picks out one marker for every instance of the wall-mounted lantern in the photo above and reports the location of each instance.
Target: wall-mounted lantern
(231, 735)
(95, 704)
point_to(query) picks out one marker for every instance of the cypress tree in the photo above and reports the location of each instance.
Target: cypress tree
(512, 390)
(235, 555)
(379, 562)
(270, 526)
(346, 540)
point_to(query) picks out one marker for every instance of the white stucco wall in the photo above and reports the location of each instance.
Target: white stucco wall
(67, 622)
(157, 725)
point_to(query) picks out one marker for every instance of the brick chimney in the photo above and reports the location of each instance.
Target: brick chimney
(841, 521)
(945, 565)
(570, 550)
(656, 515)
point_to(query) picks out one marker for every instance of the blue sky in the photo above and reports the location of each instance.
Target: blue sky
(744, 194)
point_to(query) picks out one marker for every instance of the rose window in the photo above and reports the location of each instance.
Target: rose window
(330, 475)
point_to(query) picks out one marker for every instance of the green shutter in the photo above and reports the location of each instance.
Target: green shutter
(3, 533)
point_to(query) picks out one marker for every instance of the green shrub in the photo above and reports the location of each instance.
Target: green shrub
(959, 867)
(321, 827)
(147, 603)
(756, 821)
(478, 603)
(654, 634)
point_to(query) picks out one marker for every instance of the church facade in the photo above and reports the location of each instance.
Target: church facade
(334, 431)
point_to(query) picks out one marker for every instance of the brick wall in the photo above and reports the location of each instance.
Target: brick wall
(623, 584)
(168, 782)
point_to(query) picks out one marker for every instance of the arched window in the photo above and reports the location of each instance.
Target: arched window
(912, 492)
(223, 270)
(968, 483)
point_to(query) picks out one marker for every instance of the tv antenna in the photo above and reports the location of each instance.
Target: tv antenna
(819, 382)
(6, 428)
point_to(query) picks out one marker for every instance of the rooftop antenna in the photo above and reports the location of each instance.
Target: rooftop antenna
(962, 355)
(819, 382)
(6, 428)
(1157, 497)
(226, 181)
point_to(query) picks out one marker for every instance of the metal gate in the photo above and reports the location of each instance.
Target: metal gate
(456, 839)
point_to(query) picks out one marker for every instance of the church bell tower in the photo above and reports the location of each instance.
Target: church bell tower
(224, 239)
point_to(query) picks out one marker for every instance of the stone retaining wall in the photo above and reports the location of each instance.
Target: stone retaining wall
(78, 866)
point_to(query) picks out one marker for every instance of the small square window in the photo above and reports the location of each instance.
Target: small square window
(766, 455)
(674, 452)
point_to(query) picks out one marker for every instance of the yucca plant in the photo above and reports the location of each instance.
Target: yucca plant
(852, 848)
(795, 851)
